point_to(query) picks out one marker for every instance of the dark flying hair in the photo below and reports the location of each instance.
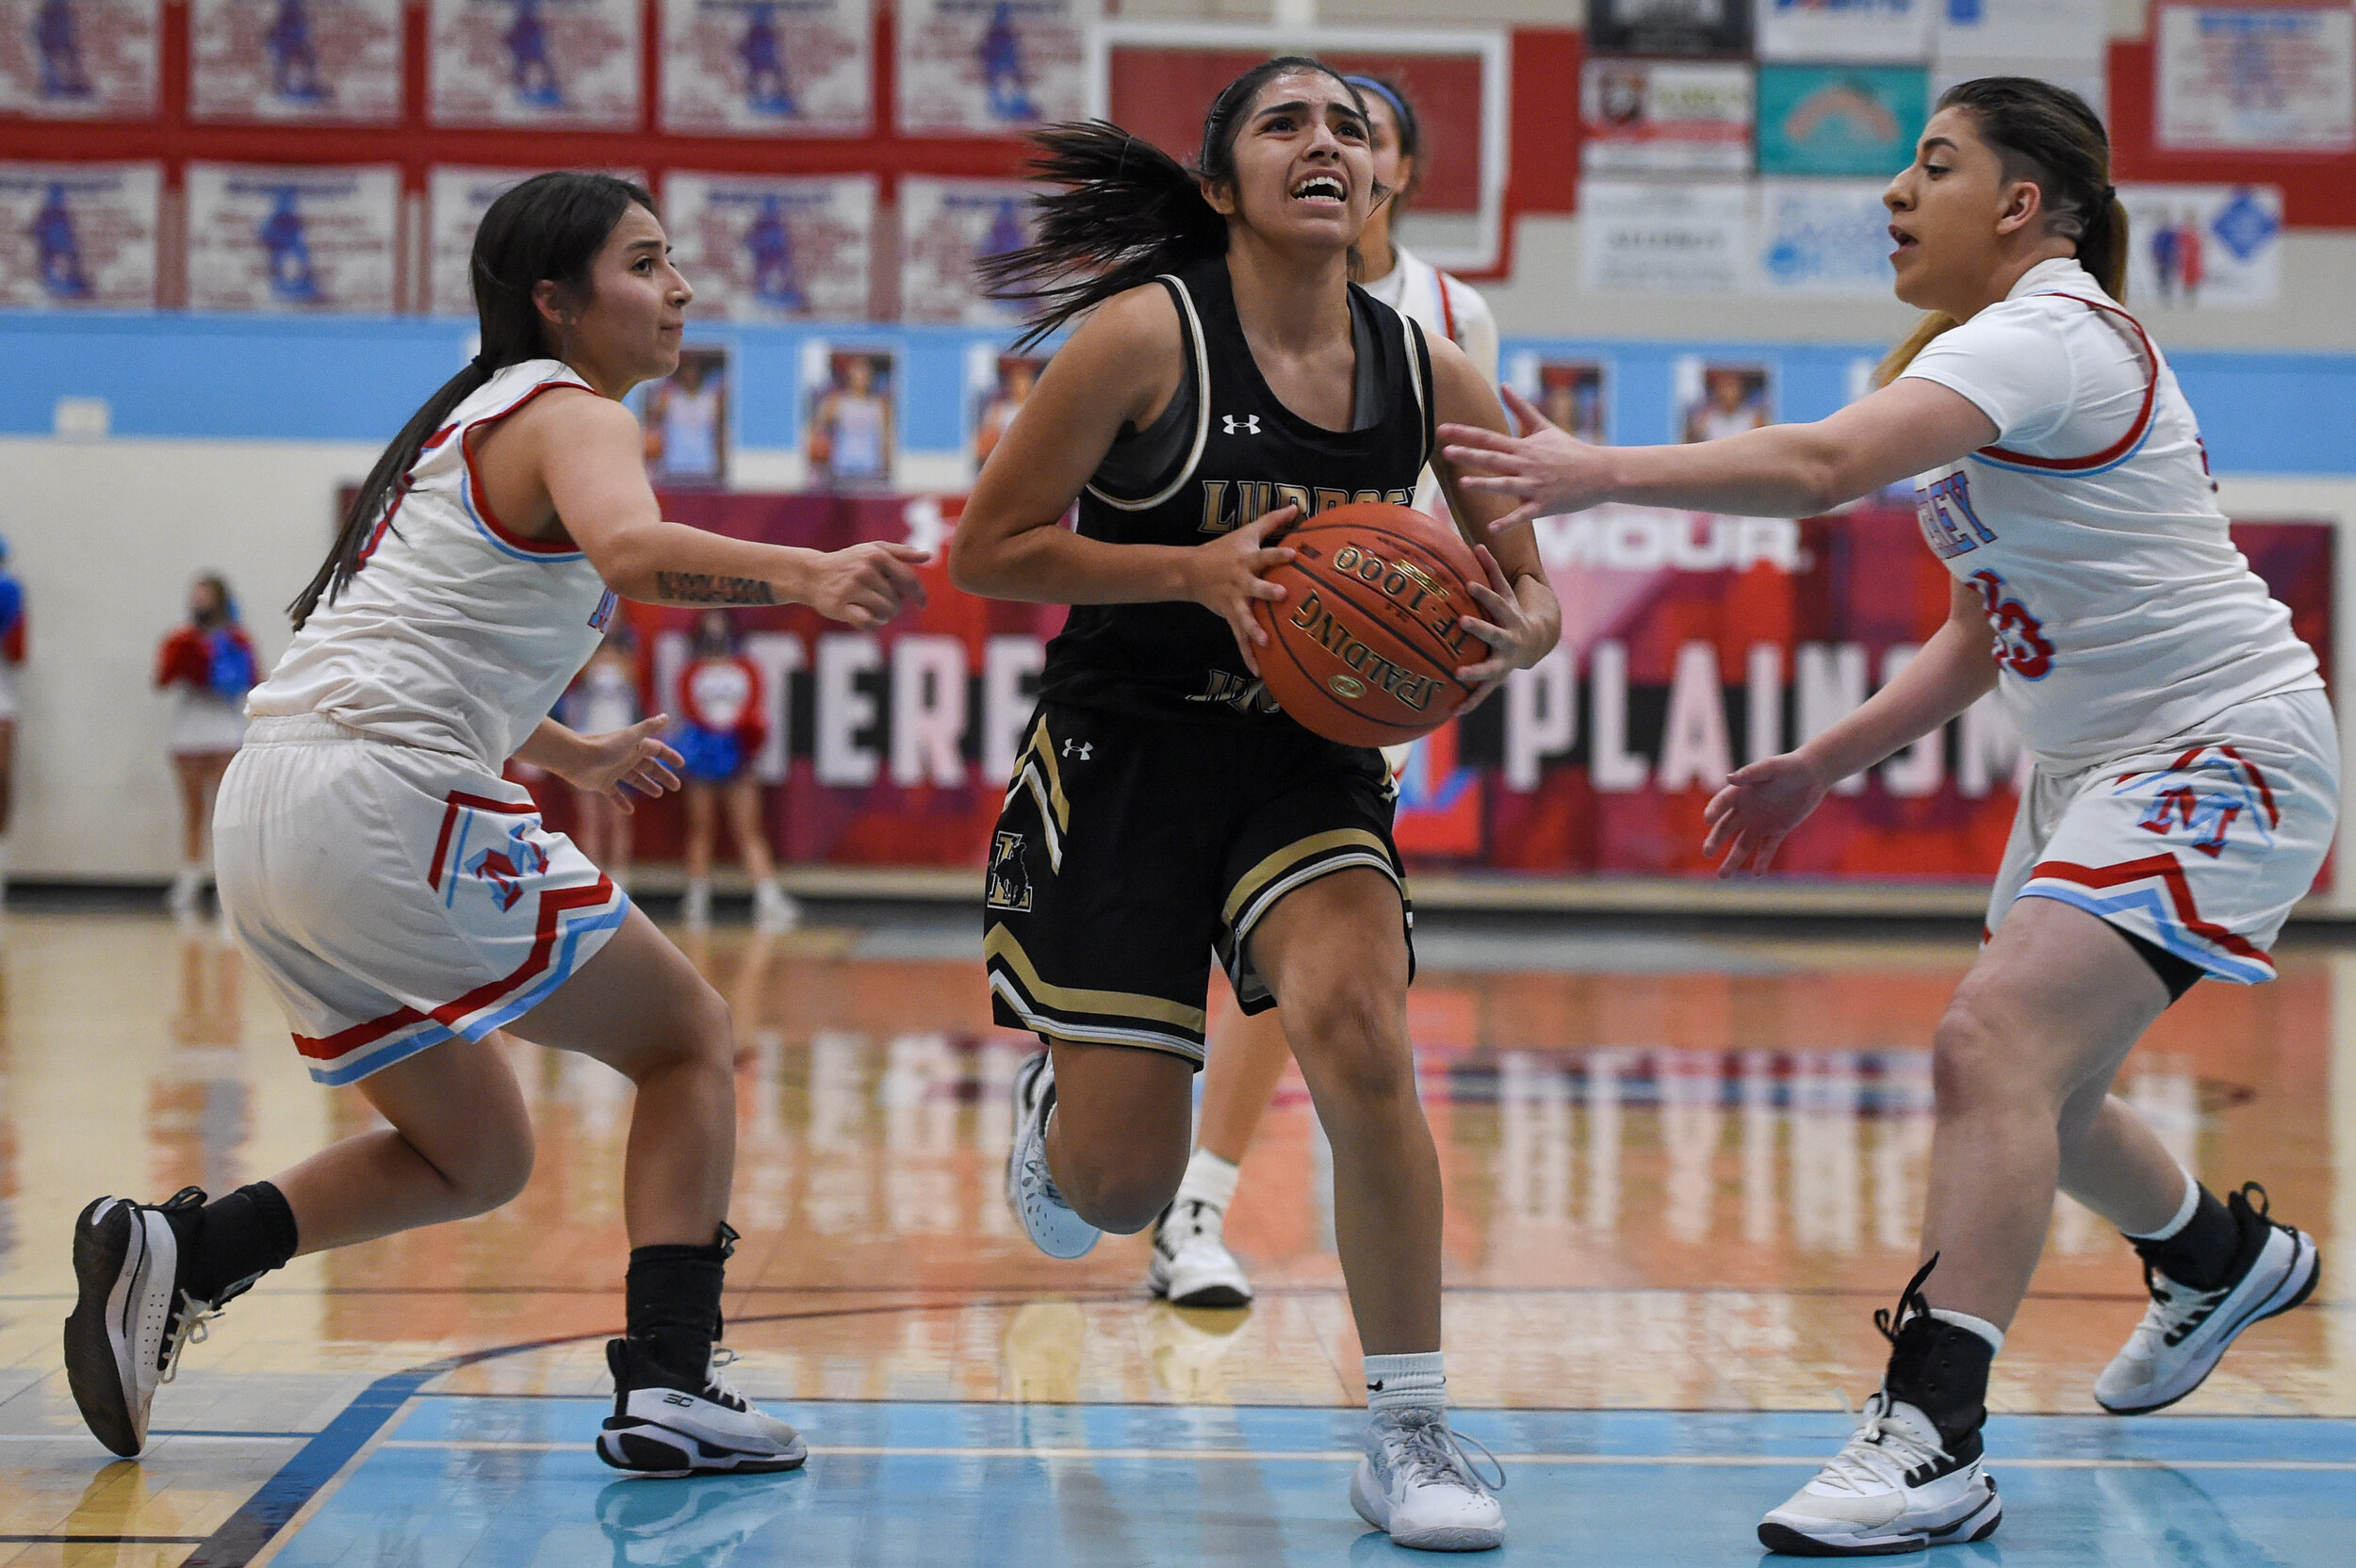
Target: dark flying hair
(1127, 211)
(548, 228)
(1410, 129)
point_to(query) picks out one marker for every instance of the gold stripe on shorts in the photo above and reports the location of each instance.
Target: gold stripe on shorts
(999, 946)
(1248, 885)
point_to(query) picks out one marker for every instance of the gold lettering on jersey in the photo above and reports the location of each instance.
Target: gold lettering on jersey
(1335, 636)
(1228, 504)
(1243, 695)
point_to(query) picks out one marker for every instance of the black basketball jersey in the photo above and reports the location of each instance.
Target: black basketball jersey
(1246, 454)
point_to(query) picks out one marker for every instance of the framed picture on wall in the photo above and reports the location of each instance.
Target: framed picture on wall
(1573, 394)
(850, 426)
(990, 67)
(761, 248)
(80, 236)
(1720, 398)
(551, 63)
(80, 59)
(768, 67)
(315, 61)
(685, 416)
(997, 385)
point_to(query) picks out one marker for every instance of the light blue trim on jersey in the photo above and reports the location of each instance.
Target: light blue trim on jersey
(2165, 930)
(465, 498)
(2074, 473)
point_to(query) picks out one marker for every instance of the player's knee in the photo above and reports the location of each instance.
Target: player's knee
(494, 1167)
(1352, 1036)
(1981, 1058)
(1122, 1197)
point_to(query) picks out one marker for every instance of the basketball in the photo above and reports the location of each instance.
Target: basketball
(1366, 644)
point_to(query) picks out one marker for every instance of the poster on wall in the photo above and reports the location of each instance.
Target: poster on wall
(1717, 397)
(1672, 117)
(307, 239)
(686, 419)
(947, 228)
(78, 236)
(768, 67)
(997, 384)
(990, 67)
(2280, 78)
(324, 61)
(547, 63)
(1855, 120)
(79, 59)
(1720, 27)
(1641, 238)
(2206, 247)
(456, 199)
(763, 248)
(1846, 29)
(1573, 394)
(1827, 238)
(849, 425)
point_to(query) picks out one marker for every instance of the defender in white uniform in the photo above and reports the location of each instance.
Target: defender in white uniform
(405, 901)
(2185, 791)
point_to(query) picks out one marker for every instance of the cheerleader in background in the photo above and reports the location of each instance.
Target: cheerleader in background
(12, 655)
(725, 722)
(604, 698)
(208, 665)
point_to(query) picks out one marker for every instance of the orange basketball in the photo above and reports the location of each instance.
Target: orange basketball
(1365, 645)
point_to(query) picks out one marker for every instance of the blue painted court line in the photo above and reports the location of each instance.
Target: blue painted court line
(494, 1481)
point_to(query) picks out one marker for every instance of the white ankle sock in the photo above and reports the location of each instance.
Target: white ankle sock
(1980, 1326)
(1398, 1382)
(1209, 1180)
(2185, 1211)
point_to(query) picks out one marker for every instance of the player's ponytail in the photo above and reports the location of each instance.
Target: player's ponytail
(550, 228)
(2049, 136)
(1124, 211)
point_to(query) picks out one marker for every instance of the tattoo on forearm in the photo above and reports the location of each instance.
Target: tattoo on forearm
(704, 588)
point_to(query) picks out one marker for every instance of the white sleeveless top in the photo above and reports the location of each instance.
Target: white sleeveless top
(2123, 615)
(1443, 303)
(456, 634)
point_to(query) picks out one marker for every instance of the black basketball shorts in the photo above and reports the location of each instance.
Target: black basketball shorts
(1132, 850)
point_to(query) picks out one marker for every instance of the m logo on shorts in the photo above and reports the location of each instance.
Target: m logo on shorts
(1009, 878)
(503, 870)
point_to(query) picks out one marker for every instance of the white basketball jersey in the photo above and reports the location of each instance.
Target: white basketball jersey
(2123, 615)
(456, 635)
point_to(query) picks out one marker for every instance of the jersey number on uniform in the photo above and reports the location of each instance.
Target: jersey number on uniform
(2021, 644)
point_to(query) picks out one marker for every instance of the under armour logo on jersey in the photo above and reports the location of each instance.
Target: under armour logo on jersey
(1080, 749)
(1247, 425)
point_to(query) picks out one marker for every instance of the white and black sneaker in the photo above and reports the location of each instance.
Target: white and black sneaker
(1418, 1484)
(1030, 1188)
(133, 1314)
(1191, 1265)
(2185, 1332)
(1894, 1487)
(666, 1425)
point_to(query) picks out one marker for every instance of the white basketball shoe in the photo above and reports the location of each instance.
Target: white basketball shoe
(1894, 1487)
(775, 911)
(1191, 1265)
(2185, 1332)
(1030, 1188)
(665, 1424)
(134, 1315)
(1418, 1484)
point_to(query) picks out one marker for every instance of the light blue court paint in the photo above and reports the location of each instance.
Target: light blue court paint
(496, 1482)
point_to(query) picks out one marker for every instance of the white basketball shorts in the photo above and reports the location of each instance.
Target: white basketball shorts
(394, 896)
(2201, 848)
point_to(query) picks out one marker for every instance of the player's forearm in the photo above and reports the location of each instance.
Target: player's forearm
(553, 747)
(665, 563)
(1051, 565)
(1953, 672)
(1775, 471)
(1544, 610)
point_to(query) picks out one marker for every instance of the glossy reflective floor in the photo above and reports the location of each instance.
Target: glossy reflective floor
(1682, 1172)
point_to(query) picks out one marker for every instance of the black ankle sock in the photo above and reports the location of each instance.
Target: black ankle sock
(1940, 1368)
(229, 1241)
(672, 1294)
(2202, 1254)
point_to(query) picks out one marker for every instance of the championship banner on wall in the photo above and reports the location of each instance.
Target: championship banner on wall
(948, 227)
(1692, 644)
(79, 59)
(78, 235)
(292, 239)
(325, 62)
(768, 67)
(456, 199)
(990, 67)
(761, 249)
(2272, 78)
(534, 62)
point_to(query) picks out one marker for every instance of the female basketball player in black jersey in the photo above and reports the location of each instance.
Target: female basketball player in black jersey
(1229, 380)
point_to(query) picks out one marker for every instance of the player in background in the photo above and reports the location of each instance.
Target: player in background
(11, 660)
(1191, 1264)
(207, 664)
(603, 698)
(1164, 807)
(2185, 790)
(724, 722)
(404, 903)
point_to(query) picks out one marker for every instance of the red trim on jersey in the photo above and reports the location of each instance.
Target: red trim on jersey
(2265, 793)
(560, 545)
(344, 1041)
(2135, 432)
(457, 801)
(2164, 869)
(1447, 312)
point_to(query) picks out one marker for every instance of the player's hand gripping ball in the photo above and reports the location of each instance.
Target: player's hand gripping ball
(1365, 647)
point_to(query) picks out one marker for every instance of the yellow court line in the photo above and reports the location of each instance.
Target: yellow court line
(1336, 1456)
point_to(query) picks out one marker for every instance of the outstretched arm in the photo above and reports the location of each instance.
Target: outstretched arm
(1906, 428)
(1524, 621)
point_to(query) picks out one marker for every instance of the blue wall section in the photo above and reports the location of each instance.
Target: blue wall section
(358, 377)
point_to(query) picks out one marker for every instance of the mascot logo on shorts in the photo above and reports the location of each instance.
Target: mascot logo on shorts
(1009, 878)
(504, 870)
